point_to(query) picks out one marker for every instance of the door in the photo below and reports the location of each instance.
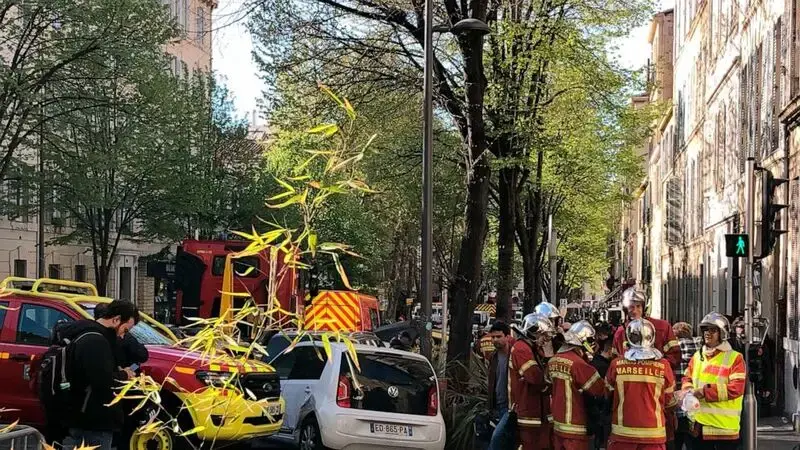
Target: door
(25, 339)
(125, 284)
(300, 371)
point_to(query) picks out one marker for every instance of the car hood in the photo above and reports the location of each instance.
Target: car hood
(195, 360)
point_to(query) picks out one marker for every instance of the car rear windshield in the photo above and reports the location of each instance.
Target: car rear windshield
(390, 383)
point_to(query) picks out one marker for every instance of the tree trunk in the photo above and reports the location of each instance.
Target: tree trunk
(467, 278)
(507, 201)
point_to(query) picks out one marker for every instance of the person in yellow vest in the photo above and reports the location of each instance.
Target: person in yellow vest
(716, 376)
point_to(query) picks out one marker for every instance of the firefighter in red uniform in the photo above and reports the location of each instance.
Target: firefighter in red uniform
(643, 386)
(636, 303)
(573, 377)
(550, 311)
(528, 389)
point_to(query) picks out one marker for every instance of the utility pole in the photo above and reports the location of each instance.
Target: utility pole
(40, 269)
(426, 284)
(552, 244)
(750, 440)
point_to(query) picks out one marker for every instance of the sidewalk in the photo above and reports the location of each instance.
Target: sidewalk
(775, 433)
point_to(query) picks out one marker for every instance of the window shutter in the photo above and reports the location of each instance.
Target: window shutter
(793, 305)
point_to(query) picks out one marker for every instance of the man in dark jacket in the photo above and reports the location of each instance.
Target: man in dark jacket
(94, 373)
(128, 350)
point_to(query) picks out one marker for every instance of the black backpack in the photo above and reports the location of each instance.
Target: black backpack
(54, 377)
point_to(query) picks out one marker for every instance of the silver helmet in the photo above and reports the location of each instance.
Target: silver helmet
(641, 337)
(548, 310)
(580, 334)
(536, 325)
(715, 319)
(633, 295)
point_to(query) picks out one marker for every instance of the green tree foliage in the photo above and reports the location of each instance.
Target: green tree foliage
(44, 44)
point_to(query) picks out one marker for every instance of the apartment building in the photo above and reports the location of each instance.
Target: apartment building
(19, 228)
(735, 93)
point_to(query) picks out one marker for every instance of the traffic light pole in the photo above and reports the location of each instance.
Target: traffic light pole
(750, 440)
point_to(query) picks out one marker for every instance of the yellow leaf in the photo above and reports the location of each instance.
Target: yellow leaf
(326, 344)
(352, 350)
(46, 446)
(326, 128)
(193, 431)
(312, 243)
(286, 185)
(246, 272)
(349, 108)
(87, 447)
(342, 273)
(330, 93)
(10, 427)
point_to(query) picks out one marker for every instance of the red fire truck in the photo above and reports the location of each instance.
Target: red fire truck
(198, 279)
(200, 266)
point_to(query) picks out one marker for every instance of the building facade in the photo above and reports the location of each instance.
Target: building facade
(19, 228)
(734, 93)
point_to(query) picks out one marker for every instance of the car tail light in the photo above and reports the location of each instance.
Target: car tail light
(433, 401)
(343, 392)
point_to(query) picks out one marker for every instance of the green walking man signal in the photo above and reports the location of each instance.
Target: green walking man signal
(736, 245)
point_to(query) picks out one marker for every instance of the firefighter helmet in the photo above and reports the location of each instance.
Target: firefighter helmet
(641, 336)
(580, 334)
(548, 310)
(717, 320)
(536, 325)
(632, 295)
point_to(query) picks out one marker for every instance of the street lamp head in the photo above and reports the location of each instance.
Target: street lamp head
(470, 26)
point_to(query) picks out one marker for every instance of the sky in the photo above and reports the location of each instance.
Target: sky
(233, 62)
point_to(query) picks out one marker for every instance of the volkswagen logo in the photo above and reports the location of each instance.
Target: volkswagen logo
(267, 386)
(393, 391)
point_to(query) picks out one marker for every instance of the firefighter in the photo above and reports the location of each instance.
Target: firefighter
(716, 376)
(636, 303)
(573, 377)
(642, 385)
(550, 311)
(529, 391)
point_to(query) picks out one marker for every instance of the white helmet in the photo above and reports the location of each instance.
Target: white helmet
(715, 319)
(548, 310)
(633, 295)
(641, 336)
(580, 334)
(536, 325)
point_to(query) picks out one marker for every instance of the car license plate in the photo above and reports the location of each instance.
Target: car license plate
(391, 429)
(274, 410)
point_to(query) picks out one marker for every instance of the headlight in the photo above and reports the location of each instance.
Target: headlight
(216, 379)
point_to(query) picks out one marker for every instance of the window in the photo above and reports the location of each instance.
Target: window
(36, 322)
(80, 272)
(3, 306)
(241, 266)
(20, 268)
(302, 363)
(200, 26)
(54, 271)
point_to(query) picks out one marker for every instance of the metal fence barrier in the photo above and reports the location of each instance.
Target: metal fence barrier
(21, 438)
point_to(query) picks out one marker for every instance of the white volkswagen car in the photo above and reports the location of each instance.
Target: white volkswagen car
(392, 402)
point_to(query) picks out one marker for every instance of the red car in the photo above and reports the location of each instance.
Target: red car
(29, 309)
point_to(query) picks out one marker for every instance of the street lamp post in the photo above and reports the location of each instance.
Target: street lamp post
(426, 282)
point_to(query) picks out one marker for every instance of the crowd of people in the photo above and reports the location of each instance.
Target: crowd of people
(645, 385)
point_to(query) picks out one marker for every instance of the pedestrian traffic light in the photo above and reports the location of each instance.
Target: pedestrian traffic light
(737, 245)
(755, 363)
(770, 207)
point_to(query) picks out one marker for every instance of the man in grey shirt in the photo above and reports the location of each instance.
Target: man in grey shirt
(498, 368)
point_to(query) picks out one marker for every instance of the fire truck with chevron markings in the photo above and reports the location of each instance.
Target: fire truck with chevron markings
(198, 277)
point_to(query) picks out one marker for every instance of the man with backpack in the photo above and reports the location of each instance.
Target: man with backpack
(86, 374)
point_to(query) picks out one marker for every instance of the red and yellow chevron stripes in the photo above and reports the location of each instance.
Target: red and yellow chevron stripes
(333, 311)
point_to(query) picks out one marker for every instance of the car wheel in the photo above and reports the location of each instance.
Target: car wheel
(161, 439)
(310, 438)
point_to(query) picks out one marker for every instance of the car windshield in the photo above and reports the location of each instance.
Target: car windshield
(143, 332)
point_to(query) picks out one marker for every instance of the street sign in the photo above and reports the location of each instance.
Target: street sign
(737, 245)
